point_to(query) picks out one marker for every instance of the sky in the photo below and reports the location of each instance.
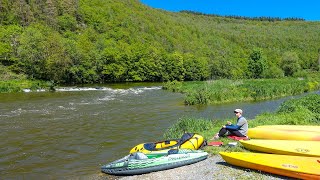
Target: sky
(306, 9)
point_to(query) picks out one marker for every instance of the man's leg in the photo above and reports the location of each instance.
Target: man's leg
(222, 132)
(236, 133)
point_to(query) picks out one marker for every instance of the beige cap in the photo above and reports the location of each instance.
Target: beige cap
(238, 111)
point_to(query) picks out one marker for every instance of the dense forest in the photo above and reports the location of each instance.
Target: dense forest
(97, 41)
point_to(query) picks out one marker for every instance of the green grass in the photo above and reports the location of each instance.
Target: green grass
(11, 82)
(301, 111)
(10, 86)
(224, 91)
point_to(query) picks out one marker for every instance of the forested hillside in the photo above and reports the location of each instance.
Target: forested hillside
(96, 41)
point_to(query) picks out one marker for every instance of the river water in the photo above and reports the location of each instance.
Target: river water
(72, 132)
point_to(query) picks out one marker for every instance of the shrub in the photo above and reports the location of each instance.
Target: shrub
(310, 102)
(273, 72)
(290, 63)
(198, 97)
(256, 64)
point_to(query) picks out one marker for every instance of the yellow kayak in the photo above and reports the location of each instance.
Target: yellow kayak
(283, 134)
(293, 127)
(292, 166)
(187, 141)
(287, 147)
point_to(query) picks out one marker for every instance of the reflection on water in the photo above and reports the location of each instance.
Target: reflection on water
(72, 132)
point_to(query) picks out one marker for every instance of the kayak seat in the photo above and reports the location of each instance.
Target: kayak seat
(185, 137)
(149, 146)
(138, 156)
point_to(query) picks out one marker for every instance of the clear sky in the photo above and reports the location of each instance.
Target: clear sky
(306, 9)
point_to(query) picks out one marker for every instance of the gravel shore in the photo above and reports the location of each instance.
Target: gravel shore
(214, 167)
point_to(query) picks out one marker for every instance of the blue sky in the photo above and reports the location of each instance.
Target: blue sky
(306, 9)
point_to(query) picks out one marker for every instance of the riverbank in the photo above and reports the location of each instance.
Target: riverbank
(24, 85)
(227, 91)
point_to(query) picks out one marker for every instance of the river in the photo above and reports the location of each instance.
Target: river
(72, 132)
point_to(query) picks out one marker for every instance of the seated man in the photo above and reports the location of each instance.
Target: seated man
(240, 129)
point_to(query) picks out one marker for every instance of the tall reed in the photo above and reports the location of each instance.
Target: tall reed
(188, 124)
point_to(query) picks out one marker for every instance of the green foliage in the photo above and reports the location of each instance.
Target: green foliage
(174, 86)
(67, 23)
(200, 97)
(256, 64)
(271, 19)
(173, 67)
(222, 91)
(310, 102)
(187, 124)
(9, 43)
(18, 85)
(290, 63)
(196, 69)
(273, 72)
(298, 117)
(7, 75)
(301, 111)
(43, 54)
(94, 41)
(313, 85)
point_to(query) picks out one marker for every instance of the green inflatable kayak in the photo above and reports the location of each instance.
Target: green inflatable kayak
(139, 163)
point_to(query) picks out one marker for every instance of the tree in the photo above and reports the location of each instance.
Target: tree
(43, 54)
(9, 43)
(319, 60)
(256, 64)
(173, 68)
(195, 68)
(290, 63)
(51, 13)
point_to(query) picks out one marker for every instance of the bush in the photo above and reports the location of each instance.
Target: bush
(290, 63)
(310, 102)
(256, 64)
(273, 72)
(301, 74)
(198, 97)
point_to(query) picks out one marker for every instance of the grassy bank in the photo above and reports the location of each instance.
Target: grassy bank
(302, 111)
(224, 91)
(12, 82)
(10, 86)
